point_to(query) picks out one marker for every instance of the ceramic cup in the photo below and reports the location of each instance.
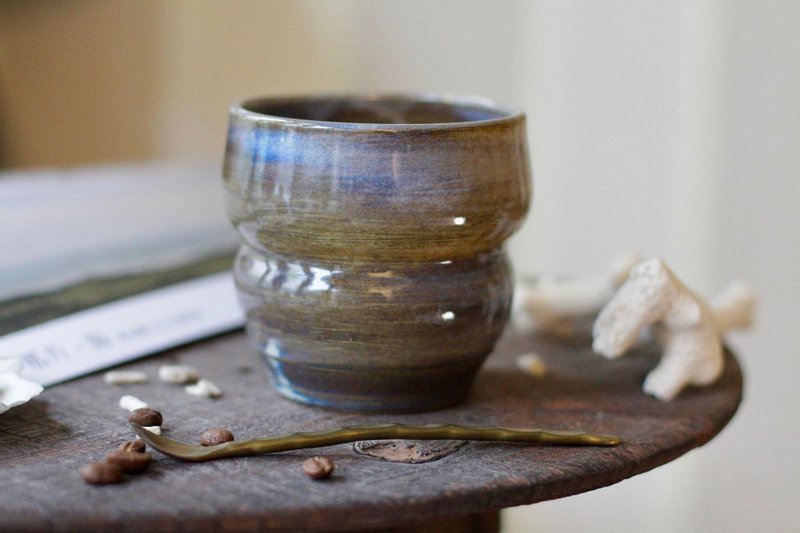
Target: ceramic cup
(372, 268)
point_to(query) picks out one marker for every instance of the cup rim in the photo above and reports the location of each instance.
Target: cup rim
(506, 114)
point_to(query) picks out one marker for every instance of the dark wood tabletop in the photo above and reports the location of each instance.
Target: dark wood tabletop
(44, 443)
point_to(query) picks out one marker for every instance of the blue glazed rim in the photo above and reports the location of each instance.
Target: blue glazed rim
(501, 114)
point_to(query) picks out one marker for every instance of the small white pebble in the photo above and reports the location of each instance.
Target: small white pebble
(532, 364)
(154, 429)
(178, 374)
(124, 377)
(204, 387)
(131, 403)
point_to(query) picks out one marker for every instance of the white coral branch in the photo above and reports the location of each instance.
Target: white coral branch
(689, 328)
(734, 307)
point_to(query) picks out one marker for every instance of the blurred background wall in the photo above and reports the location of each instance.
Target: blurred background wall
(671, 127)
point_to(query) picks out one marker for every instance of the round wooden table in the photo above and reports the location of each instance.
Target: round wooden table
(45, 442)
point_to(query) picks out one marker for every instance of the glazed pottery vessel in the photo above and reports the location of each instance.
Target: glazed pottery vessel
(372, 269)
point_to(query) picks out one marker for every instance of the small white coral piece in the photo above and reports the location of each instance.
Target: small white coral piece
(532, 364)
(204, 387)
(734, 307)
(14, 390)
(132, 403)
(124, 377)
(178, 374)
(689, 330)
(556, 305)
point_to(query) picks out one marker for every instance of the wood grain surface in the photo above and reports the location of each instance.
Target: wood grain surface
(45, 442)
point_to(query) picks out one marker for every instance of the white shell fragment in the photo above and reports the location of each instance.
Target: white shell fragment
(178, 374)
(131, 403)
(557, 306)
(14, 390)
(124, 377)
(689, 330)
(532, 364)
(154, 429)
(205, 388)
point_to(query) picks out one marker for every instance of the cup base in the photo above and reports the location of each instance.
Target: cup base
(377, 390)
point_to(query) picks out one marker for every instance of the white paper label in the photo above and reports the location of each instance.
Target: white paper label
(125, 329)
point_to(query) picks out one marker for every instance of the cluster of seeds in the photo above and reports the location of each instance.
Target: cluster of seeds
(129, 458)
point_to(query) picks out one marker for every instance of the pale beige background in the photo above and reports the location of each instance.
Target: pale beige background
(671, 127)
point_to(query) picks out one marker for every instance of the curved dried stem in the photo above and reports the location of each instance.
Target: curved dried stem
(315, 439)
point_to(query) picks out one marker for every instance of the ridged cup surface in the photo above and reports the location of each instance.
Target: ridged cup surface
(372, 270)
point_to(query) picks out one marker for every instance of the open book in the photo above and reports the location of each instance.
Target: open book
(97, 241)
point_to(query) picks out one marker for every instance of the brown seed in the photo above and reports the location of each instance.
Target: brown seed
(130, 462)
(133, 446)
(212, 437)
(101, 473)
(318, 467)
(146, 417)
